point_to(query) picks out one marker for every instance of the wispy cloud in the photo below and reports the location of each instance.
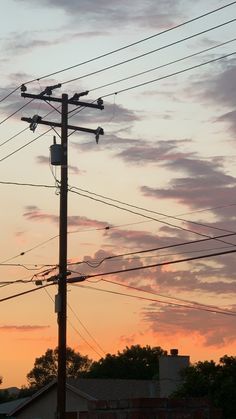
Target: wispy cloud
(22, 328)
(149, 14)
(33, 213)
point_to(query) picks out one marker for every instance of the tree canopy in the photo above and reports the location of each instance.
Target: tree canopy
(45, 367)
(135, 362)
(217, 382)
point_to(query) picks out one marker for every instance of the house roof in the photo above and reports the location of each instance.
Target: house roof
(105, 388)
(16, 409)
(7, 407)
(98, 389)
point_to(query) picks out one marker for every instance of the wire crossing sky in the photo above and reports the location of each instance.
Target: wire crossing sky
(151, 205)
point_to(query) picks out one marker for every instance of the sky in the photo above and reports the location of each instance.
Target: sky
(161, 177)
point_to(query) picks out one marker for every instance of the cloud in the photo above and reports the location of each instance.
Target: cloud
(216, 330)
(219, 88)
(154, 152)
(25, 42)
(213, 276)
(230, 118)
(34, 213)
(23, 328)
(148, 13)
(206, 184)
(72, 169)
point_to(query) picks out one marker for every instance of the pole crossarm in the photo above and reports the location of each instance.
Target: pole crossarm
(99, 105)
(58, 125)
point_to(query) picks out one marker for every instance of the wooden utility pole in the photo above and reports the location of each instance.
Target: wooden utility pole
(62, 287)
(61, 298)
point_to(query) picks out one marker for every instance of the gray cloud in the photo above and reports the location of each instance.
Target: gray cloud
(216, 330)
(205, 186)
(24, 42)
(148, 13)
(230, 118)
(220, 88)
(154, 152)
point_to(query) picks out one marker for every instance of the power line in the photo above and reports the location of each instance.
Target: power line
(25, 145)
(148, 53)
(163, 295)
(169, 75)
(162, 65)
(154, 265)
(9, 94)
(152, 249)
(24, 292)
(75, 329)
(123, 48)
(192, 307)
(85, 328)
(121, 202)
(145, 216)
(152, 211)
(127, 89)
(14, 113)
(14, 136)
(134, 43)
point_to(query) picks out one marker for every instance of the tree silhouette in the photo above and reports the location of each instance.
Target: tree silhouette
(45, 367)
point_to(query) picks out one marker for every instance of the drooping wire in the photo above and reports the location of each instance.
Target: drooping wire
(147, 216)
(152, 211)
(155, 265)
(121, 255)
(76, 330)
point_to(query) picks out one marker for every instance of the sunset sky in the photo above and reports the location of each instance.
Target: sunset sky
(163, 174)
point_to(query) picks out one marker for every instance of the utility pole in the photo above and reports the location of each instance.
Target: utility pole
(61, 298)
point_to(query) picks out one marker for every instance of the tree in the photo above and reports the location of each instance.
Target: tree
(217, 382)
(45, 367)
(135, 362)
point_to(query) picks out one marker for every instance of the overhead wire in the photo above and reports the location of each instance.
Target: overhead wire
(15, 112)
(75, 329)
(24, 293)
(155, 300)
(162, 65)
(169, 75)
(162, 295)
(86, 329)
(154, 265)
(172, 28)
(136, 252)
(127, 89)
(128, 60)
(146, 216)
(152, 211)
(121, 48)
